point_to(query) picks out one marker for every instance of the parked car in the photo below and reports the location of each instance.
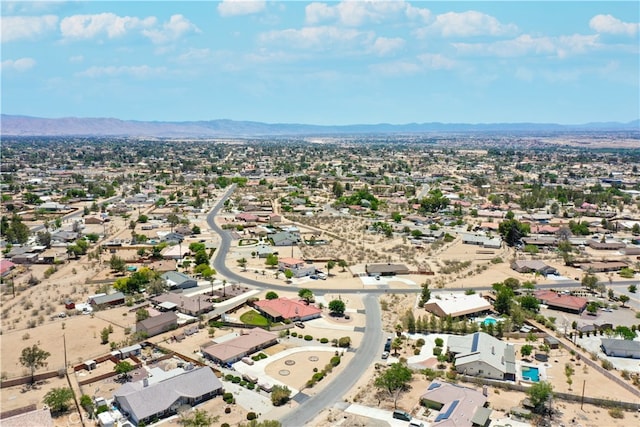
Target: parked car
(313, 277)
(300, 325)
(401, 415)
(385, 354)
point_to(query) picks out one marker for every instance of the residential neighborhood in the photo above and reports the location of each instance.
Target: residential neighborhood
(484, 281)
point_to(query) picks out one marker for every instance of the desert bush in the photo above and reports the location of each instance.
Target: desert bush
(616, 413)
(607, 365)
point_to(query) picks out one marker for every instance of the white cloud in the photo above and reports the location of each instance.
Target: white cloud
(611, 25)
(139, 71)
(22, 64)
(26, 27)
(319, 38)
(240, 7)
(176, 27)
(467, 24)
(525, 44)
(76, 58)
(195, 55)
(384, 46)
(357, 12)
(90, 26)
(396, 68)
(436, 61)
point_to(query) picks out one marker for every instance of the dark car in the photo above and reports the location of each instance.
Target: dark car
(300, 325)
(401, 415)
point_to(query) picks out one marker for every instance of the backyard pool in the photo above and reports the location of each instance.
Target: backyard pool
(530, 373)
(489, 321)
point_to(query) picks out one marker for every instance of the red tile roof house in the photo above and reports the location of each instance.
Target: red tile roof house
(236, 348)
(283, 308)
(562, 302)
(5, 267)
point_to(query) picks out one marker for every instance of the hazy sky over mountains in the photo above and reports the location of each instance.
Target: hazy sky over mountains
(323, 62)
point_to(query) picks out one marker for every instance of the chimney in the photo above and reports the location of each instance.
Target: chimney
(145, 382)
(493, 350)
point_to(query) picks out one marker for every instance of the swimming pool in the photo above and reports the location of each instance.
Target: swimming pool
(530, 373)
(489, 321)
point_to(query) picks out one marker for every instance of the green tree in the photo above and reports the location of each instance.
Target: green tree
(590, 281)
(592, 307)
(633, 289)
(288, 274)
(512, 231)
(529, 302)
(57, 399)
(271, 295)
(142, 314)
(337, 307)
(330, 265)
(173, 220)
(242, 262)
(342, 264)
(33, 358)
(526, 350)
(504, 297)
(117, 264)
(280, 395)
(396, 345)
(394, 380)
(624, 299)
(425, 294)
(568, 372)
(540, 394)
(87, 403)
(271, 260)
(305, 294)
(123, 368)
(196, 418)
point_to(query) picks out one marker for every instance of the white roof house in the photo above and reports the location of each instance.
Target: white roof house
(482, 355)
(456, 305)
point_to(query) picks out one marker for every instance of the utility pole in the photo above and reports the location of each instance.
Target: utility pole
(584, 382)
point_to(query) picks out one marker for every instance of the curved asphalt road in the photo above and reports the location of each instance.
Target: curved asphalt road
(371, 341)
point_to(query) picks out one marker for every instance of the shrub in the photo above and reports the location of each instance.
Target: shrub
(308, 338)
(420, 342)
(335, 360)
(344, 342)
(226, 424)
(437, 351)
(251, 416)
(607, 365)
(227, 410)
(439, 342)
(324, 340)
(294, 334)
(318, 376)
(616, 413)
(416, 352)
(228, 397)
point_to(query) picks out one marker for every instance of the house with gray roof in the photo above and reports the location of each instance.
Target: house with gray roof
(482, 355)
(155, 325)
(116, 298)
(177, 280)
(143, 401)
(620, 348)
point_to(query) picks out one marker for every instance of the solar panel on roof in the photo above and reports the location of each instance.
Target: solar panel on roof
(433, 386)
(444, 415)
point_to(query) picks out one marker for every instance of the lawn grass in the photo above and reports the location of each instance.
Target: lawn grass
(254, 318)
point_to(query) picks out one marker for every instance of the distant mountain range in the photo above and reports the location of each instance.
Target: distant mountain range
(11, 125)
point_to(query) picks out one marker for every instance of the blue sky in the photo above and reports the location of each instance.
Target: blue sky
(322, 62)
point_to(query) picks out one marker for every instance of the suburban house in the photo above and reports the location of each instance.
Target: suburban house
(116, 298)
(458, 406)
(248, 342)
(177, 280)
(561, 301)
(386, 269)
(280, 309)
(481, 240)
(32, 418)
(171, 237)
(621, 348)
(144, 401)
(297, 266)
(285, 238)
(158, 324)
(93, 220)
(482, 355)
(532, 266)
(5, 267)
(457, 305)
(191, 305)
